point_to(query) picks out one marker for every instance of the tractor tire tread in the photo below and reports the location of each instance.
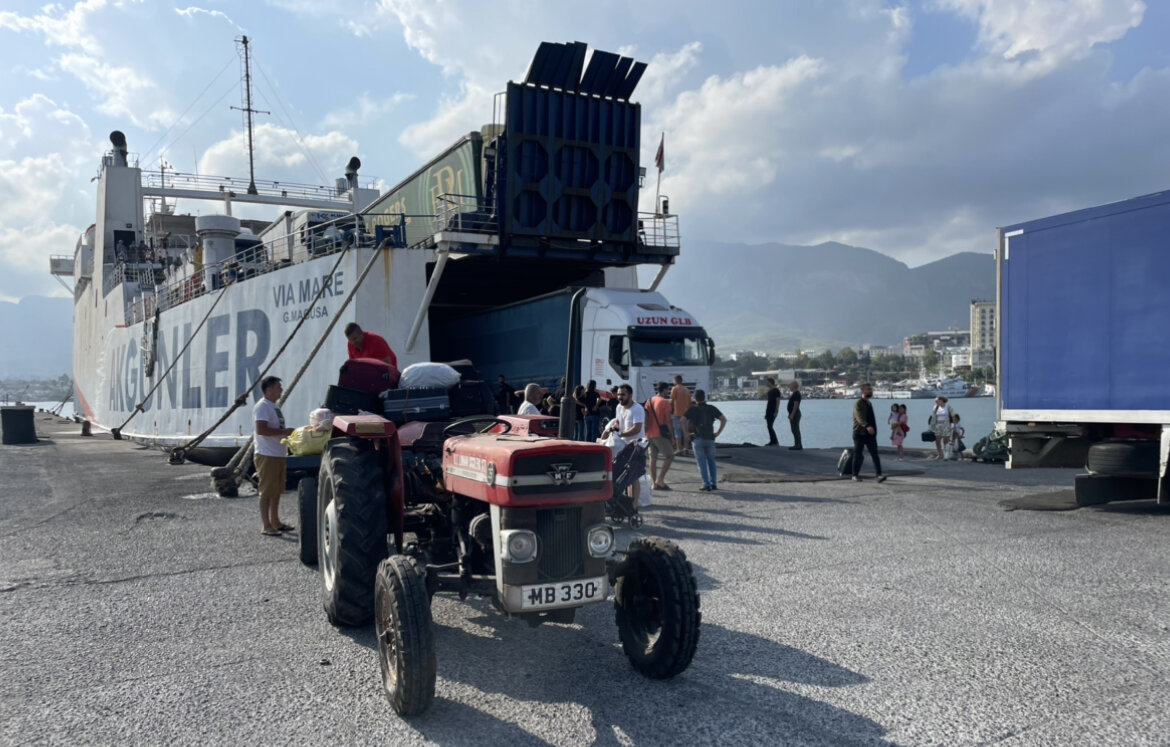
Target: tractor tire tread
(307, 526)
(362, 528)
(403, 578)
(673, 651)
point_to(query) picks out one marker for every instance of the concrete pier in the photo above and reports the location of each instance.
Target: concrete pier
(138, 607)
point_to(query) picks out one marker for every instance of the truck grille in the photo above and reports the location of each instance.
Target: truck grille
(561, 542)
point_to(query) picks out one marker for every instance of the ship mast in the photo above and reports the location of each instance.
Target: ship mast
(248, 112)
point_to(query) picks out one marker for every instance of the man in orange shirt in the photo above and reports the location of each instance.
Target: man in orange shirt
(680, 400)
(659, 424)
(368, 345)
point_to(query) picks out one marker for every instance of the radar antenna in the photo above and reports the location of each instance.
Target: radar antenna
(248, 112)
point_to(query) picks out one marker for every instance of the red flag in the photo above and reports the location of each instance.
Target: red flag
(660, 157)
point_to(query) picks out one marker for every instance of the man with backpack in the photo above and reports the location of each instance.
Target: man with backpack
(659, 411)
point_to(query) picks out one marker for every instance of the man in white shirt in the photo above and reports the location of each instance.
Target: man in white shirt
(531, 399)
(270, 455)
(629, 421)
(629, 418)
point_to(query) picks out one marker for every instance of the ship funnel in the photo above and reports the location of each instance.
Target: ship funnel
(118, 140)
(351, 172)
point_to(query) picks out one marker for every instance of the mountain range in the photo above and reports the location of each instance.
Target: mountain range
(777, 297)
(772, 297)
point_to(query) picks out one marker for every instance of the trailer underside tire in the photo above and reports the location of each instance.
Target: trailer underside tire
(657, 604)
(307, 527)
(1123, 458)
(1096, 490)
(406, 639)
(352, 526)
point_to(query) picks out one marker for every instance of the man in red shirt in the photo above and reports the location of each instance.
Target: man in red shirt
(368, 345)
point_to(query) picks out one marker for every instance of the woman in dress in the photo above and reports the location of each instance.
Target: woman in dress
(940, 423)
(897, 435)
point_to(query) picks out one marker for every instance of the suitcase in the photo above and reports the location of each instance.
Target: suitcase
(845, 463)
(343, 401)
(419, 403)
(368, 375)
(472, 398)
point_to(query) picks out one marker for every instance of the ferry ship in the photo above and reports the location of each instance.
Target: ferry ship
(177, 316)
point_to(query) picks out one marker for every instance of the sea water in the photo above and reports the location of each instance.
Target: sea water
(828, 423)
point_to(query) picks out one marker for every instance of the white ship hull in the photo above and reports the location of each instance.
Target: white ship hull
(241, 337)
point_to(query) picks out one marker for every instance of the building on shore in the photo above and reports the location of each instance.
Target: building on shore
(982, 333)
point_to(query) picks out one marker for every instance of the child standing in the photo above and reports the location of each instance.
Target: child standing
(897, 434)
(957, 433)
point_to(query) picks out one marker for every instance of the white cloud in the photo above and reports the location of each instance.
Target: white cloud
(192, 11)
(61, 28)
(723, 136)
(41, 210)
(279, 155)
(365, 111)
(119, 91)
(1053, 30)
(664, 72)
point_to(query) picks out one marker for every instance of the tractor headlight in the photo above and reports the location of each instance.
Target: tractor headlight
(600, 540)
(519, 545)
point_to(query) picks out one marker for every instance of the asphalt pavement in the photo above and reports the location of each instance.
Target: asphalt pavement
(139, 608)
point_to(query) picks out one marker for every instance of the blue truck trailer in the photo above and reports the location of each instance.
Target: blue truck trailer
(1083, 317)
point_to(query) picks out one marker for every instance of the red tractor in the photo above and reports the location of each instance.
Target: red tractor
(486, 506)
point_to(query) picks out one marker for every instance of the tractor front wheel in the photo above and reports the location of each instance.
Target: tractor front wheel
(657, 604)
(406, 641)
(307, 531)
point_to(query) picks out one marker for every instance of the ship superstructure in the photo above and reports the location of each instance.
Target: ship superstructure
(176, 316)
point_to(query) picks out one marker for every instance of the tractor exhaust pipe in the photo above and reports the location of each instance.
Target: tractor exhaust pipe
(572, 365)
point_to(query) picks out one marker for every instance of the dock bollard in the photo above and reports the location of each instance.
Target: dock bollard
(86, 428)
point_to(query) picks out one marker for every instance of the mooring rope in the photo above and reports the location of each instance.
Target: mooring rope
(179, 453)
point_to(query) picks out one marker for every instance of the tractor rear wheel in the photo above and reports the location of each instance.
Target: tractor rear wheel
(406, 640)
(307, 529)
(657, 605)
(352, 526)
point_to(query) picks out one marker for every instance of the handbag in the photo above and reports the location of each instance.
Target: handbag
(905, 427)
(928, 436)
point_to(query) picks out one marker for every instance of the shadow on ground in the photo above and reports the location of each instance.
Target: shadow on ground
(734, 691)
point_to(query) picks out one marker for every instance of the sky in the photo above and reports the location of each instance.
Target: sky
(912, 127)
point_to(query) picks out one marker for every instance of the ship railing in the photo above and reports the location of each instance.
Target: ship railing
(465, 214)
(236, 186)
(659, 230)
(173, 281)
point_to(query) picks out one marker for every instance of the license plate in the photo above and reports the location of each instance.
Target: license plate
(562, 593)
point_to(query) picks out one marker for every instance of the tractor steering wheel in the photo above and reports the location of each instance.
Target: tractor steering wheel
(460, 427)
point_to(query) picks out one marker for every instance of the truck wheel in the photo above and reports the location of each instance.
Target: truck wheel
(352, 527)
(307, 533)
(1123, 458)
(406, 641)
(657, 604)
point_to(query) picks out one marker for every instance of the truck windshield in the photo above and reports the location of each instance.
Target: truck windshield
(669, 351)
